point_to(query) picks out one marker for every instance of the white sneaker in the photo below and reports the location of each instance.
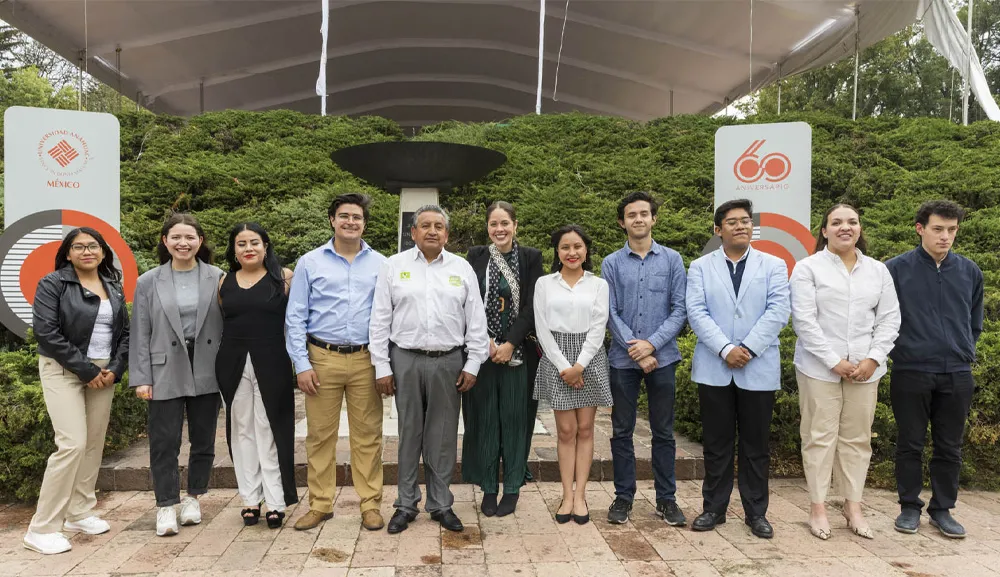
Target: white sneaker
(46, 543)
(166, 521)
(190, 511)
(92, 525)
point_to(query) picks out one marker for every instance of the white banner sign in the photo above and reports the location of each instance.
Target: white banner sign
(770, 164)
(58, 160)
(60, 172)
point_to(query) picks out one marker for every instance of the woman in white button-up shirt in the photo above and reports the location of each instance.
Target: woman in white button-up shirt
(571, 313)
(846, 315)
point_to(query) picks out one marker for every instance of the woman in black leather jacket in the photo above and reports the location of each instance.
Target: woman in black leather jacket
(81, 324)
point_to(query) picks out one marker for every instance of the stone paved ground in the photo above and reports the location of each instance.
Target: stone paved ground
(527, 544)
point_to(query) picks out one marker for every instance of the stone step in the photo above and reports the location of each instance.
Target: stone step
(128, 470)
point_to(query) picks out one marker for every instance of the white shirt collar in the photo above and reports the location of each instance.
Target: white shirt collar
(726, 256)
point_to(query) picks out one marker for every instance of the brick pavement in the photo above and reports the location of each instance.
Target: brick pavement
(526, 544)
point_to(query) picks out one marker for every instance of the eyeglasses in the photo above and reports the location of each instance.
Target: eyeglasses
(350, 217)
(735, 221)
(93, 248)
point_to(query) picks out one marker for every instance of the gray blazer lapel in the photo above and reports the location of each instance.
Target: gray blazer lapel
(168, 299)
(754, 261)
(722, 271)
(207, 287)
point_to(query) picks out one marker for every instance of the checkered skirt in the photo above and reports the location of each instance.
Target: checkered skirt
(596, 391)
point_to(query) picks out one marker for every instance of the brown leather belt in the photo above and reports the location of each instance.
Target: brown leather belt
(342, 349)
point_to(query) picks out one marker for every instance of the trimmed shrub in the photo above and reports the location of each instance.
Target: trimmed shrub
(26, 431)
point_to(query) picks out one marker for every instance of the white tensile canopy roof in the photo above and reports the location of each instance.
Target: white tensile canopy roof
(424, 61)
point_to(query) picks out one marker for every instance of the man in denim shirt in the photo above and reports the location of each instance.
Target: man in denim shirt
(647, 284)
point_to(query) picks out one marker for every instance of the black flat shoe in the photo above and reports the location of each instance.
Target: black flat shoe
(274, 519)
(489, 504)
(707, 521)
(400, 521)
(508, 504)
(449, 520)
(760, 527)
(582, 519)
(251, 515)
(562, 519)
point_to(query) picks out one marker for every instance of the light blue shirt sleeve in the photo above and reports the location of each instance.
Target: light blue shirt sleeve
(619, 329)
(297, 319)
(672, 327)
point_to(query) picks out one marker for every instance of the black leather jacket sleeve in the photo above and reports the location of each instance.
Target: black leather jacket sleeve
(45, 322)
(119, 364)
(524, 324)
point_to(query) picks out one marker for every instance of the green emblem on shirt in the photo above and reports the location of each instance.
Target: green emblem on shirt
(455, 280)
(405, 275)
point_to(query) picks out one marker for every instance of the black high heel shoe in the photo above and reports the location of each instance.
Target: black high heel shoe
(274, 519)
(254, 515)
(562, 519)
(582, 519)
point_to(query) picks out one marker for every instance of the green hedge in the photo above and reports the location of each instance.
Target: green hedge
(274, 167)
(26, 431)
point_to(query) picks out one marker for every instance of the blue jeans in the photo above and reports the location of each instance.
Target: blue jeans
(625, 385)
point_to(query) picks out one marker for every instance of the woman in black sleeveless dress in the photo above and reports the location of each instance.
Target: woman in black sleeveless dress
(255, 375)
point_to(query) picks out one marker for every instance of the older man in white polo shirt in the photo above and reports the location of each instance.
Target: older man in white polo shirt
(427, 340)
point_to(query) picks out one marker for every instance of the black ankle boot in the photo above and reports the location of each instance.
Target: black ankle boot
(507, 504)
(489, 504)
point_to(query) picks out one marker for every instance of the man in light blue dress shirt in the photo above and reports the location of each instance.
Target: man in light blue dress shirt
(329, 309)
(647, 285)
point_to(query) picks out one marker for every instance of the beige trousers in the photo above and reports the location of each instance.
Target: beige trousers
(351, 376)
(836, 431)
(80, 420)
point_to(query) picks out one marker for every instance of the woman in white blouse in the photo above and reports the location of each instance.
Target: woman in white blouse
(571, 311)
(846, 315)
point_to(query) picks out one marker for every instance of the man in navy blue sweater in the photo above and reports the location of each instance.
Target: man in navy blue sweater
(941, 301)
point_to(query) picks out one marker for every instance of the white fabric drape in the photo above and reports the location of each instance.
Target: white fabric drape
(948, 36)
(324, 30)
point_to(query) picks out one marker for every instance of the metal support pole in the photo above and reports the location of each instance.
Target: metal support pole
(671, 102)
(201, 96)
(951, 96)
(541, 56)
(79, 85)
(857, 60)
(779, 89)
(118, 69)
(968, 68)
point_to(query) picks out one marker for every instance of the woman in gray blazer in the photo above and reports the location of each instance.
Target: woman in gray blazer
(176, 331)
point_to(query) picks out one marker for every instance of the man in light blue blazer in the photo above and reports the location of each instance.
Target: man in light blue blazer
(737, 304)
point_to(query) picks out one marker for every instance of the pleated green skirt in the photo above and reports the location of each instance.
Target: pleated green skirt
(495, 412)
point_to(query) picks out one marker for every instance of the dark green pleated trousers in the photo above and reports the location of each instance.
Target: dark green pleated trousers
(495, 412)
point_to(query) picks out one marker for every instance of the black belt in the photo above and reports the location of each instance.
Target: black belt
(433, 354)
(342, 349)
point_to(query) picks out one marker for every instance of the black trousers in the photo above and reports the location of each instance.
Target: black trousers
(165, 424)
(943, 400)
(726, 411)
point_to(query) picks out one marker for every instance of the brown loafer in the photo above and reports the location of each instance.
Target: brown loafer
(372, 520)
(311, 519)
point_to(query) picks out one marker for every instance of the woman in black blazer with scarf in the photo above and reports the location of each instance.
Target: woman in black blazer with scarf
(499, 412)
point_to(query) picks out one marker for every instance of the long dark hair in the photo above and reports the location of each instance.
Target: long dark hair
(106, 268)
(271, 263)
(821, 241)
(204, 253)
(557, 237)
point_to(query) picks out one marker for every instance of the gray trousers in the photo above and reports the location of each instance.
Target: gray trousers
(428, 403)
